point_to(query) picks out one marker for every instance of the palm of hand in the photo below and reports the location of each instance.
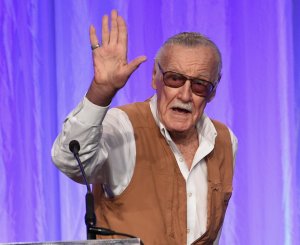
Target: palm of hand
(111, 69)
(110, 66)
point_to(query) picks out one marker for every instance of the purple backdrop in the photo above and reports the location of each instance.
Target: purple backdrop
(45, 70)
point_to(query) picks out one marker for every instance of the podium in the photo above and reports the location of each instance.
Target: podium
(131, 241)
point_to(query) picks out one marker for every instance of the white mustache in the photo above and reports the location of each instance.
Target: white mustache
(184, 106)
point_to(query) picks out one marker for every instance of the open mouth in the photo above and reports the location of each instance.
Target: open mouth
(181, 110)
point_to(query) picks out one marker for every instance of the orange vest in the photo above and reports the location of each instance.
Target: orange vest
(153, 206)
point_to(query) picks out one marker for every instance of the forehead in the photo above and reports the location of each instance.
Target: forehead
(189, 60)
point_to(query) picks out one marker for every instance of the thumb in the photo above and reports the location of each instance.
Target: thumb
(134, 64)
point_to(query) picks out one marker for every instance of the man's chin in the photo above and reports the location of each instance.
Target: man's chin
(180, 129)
(174, 125)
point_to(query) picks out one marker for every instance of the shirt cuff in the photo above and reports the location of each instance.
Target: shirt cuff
(91, 114)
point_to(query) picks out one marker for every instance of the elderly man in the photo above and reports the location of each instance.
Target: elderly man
(161, 169)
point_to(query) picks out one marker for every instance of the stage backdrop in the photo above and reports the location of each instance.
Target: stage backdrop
(45, 71)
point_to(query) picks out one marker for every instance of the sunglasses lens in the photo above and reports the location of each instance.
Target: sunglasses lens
(201, 89)
(174, 80)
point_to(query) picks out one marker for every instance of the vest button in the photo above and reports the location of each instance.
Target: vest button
(190, 194)
(187, 230)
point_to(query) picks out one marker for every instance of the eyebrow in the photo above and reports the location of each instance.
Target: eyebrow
(199, 76)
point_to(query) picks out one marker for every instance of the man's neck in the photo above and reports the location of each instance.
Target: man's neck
(187, 143)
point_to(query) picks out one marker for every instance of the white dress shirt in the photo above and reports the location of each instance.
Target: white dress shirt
(108, 153)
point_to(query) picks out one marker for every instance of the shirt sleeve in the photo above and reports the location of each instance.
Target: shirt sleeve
(106, 143)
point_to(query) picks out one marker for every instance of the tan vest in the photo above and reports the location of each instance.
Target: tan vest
(153, 206)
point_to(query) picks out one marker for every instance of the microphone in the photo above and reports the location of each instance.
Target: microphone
(90, 217)
(74, 146)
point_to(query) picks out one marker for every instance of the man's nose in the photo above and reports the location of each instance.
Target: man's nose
(185, 93)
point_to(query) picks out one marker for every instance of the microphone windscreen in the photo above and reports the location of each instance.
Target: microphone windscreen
(74, 146)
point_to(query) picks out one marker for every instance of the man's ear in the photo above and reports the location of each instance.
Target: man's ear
(213, 94)
(210, 98)
(154, 71)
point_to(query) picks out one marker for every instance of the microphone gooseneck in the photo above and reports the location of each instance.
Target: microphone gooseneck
(74, 147)
(90, 217)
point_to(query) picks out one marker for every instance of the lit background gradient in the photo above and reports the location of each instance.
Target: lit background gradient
(46, 68)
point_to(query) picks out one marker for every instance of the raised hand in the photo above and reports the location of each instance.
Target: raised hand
(111, 70)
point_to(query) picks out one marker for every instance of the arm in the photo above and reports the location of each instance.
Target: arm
(84, 124)
(234, 142)
(216, 242)
(107, 148)
(88, 123)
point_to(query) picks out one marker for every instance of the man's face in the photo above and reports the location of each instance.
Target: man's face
(179, 108)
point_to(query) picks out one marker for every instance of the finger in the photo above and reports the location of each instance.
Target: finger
(114, 28)
(134, 64)
(105, 31)
(122, 38)
(93, 36)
